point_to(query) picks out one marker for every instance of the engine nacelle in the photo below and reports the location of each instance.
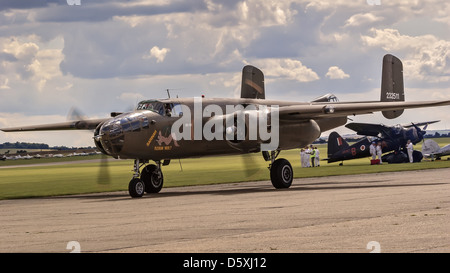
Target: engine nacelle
(290, 132)
(241, 131)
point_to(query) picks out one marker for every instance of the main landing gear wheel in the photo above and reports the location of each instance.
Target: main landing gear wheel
(136, 187)
(150, 180)
(281, 174)
(153, 178)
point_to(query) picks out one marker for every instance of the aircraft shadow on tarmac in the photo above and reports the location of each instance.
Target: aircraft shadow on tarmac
(243, 189)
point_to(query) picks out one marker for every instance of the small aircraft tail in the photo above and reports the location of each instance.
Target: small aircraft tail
(392, 84)
(429, 147)
(252, 86)
(335, 144)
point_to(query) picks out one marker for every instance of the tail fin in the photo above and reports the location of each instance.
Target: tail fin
(335, 144)
(252, 86)
(429, 147)
(392, 84)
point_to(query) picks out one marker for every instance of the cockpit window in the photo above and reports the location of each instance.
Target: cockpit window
(397, 129)
(154, 106)
(333, 98)
(164, 109)
(326, 98)
(177, 111)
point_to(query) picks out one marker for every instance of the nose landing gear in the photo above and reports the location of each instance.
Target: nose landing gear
(150, 180)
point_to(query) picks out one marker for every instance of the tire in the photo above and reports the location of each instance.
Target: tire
(153, 179)
(136, 188)
(281, 174)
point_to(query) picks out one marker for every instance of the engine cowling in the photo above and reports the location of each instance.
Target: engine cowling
(241, 131)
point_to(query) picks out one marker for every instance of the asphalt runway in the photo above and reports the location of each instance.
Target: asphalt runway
(393, 212)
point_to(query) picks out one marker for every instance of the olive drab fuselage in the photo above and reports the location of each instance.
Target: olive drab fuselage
(147, 133)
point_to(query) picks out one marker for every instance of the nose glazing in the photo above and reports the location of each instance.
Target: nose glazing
(111, 135)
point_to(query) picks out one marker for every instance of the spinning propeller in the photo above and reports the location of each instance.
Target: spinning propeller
(103, 176)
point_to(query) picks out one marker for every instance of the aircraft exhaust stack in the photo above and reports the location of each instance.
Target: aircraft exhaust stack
(392, 88)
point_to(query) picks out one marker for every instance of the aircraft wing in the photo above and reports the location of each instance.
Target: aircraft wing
(367, 129)
(420, 123)
(340, 109)
(69, 125)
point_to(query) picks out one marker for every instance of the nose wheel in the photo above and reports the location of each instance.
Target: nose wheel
(150, 180)
(136, 187)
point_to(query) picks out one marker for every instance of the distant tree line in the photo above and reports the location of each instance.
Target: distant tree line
(23, 145)
(437, 135)
(42, 146)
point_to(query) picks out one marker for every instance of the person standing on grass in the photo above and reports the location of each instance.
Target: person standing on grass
(410, 149)
(379, 150)
(373, 150)
(317, 159)
(307, 156)
(313, 156)
(302, 158)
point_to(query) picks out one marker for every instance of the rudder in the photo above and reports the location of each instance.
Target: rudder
(252, 86)
(392, 88)
(335, 144)
(429, 147)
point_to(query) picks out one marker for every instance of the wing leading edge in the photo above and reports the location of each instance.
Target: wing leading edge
(317, 111)
(69, 125)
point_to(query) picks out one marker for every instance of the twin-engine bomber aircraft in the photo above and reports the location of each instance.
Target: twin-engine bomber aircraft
(164, 129)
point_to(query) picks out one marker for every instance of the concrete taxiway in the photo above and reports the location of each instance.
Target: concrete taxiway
(389, 212)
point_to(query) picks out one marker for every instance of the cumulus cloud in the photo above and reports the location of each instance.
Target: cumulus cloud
(30, 59)
(4, 83)
(158, 53)
(287, 68)
(362, 18)
(265, 13)
(131, 97)
(335, 73)
(426, 57)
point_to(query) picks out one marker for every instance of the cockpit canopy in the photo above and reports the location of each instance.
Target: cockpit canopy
(163, 108)
(151, 105)
(397, 129)
(326, 98)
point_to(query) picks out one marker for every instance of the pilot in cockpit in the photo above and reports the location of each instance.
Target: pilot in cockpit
(168, 109)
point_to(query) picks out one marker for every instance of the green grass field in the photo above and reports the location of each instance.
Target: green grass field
(32, 181)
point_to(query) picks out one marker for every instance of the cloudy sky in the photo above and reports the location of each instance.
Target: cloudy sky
(105, 55)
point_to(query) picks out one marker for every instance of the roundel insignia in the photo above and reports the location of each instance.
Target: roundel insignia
(362, 148)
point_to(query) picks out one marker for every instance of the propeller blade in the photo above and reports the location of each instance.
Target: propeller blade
(103, 177)
(75, 114)
(250, 164)
(419, 131)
